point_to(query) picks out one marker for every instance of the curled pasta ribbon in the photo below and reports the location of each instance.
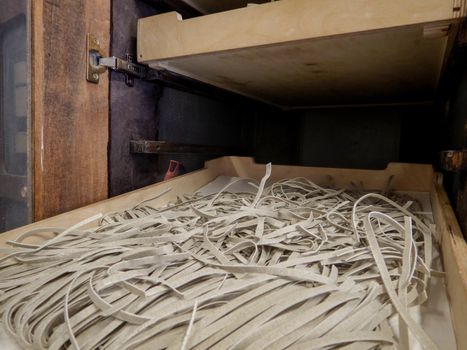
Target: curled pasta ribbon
(289, 265)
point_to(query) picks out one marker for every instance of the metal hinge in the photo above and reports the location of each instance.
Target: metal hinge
(98, 64)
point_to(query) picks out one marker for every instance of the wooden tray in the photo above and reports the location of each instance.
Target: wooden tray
(302, 53)
(401, 177)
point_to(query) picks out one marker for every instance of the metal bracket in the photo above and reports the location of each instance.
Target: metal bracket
(98, 64)
(453, 160)
(127, 67)
(162, 147)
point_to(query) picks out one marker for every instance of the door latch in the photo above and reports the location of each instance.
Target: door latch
(98, 64)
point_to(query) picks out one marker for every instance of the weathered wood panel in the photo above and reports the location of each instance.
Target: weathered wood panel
(70, 115)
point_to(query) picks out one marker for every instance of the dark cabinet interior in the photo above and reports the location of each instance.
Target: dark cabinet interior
(350, 136)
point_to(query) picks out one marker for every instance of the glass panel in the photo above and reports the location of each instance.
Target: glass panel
(15, 154)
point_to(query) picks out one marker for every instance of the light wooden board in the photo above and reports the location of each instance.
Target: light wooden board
(69, 115)
(397, 176)
(301, 53)
(454, 253)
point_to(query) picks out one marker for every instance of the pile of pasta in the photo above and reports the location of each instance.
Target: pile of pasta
(291, 265)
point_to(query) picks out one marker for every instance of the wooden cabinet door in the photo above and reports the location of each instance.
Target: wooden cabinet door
(70, 116)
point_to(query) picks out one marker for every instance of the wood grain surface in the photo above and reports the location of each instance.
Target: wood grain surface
(169, 36)
(454, 254)
(303, 53)
(70, 115)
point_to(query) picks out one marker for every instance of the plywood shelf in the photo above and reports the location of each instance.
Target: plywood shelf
(302, 53)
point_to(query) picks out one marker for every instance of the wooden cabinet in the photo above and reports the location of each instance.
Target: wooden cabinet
(288, 57)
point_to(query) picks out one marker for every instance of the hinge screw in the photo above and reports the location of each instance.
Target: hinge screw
(95, 76)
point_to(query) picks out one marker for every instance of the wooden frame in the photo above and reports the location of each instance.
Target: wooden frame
(302, 53)
(404, 177)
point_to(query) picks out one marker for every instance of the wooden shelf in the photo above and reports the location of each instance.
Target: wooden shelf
(302, 53)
